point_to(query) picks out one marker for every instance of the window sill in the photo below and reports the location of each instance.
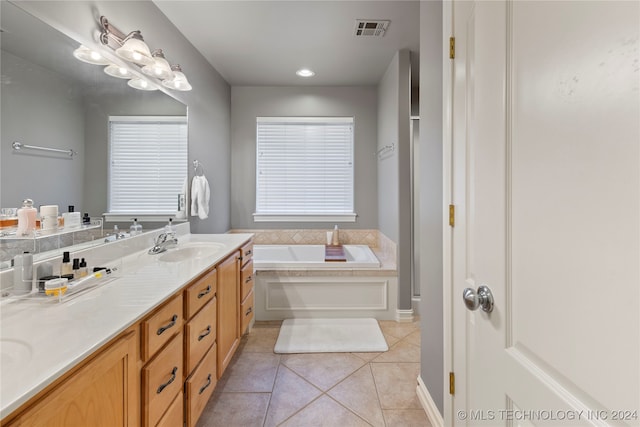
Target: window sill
(124, 217)
(257, 217)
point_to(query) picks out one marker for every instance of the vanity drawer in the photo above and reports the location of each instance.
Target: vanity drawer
(200, 334)
(246, 253)
(200, 293)
(175, 414)
(161, 326)
(246, 280)
(200, 386)
(161, 381)
(246, 311)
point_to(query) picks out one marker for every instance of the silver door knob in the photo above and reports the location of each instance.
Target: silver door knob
(482, 298)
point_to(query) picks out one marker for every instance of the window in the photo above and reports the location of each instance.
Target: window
(304, 169)
(147, 164)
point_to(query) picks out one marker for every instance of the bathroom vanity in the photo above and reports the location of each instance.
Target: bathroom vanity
(144, 349)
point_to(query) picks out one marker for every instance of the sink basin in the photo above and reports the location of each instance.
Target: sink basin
(14, 352)
(192, 250)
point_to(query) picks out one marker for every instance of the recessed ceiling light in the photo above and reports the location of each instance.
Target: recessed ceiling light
(305, 72)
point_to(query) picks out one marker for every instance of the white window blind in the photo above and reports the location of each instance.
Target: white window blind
(304, 167)
(148, 164)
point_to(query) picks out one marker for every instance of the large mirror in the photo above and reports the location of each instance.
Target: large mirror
(50, 99)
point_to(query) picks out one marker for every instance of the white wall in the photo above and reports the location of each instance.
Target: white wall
(431, 200)
(247, 103)
(208, 103)
(394, 168)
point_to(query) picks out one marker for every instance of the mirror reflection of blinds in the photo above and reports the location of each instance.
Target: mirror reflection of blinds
(148, 164)
(304, 166)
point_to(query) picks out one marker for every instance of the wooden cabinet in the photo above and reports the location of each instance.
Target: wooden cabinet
(162, 381)
(246, 287)
(228, 311)
(101, 392)
(199, 387)
(162, 370)
(162, 352)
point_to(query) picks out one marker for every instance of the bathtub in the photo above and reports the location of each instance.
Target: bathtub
(294, 281)
(287, 257)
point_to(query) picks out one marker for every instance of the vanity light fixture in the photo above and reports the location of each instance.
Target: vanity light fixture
(133, 49)
(160, 68)
(117, 71)
(179, 80)
(141, 84)
(305, 72)
(87, 55)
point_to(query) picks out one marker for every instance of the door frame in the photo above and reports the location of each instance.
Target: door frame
(447, 230)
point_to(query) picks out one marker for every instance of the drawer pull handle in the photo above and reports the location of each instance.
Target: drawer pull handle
(204, 387)
(205, 292)
(172, 379)
(169, 325)
(248, 253)
(248, 279)
(205, 333)
(249, 311)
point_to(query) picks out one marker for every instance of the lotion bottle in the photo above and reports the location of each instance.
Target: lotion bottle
(66, 267)
(335, 240)
(26, 218)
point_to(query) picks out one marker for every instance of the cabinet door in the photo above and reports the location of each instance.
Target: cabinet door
(101, 393)
(228, 311)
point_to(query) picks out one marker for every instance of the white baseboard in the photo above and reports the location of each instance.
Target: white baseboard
(404, 315)
(429, 406)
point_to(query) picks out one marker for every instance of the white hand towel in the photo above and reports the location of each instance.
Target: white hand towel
(194, 196)
(200, 194)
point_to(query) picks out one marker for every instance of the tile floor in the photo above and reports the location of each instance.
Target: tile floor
(264, 389)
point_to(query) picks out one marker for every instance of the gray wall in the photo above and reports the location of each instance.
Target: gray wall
(394, 169)
(431, 200)
(247, 103)
(45, 109)
(208, 103)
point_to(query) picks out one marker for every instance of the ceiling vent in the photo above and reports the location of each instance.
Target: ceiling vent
(371, 27)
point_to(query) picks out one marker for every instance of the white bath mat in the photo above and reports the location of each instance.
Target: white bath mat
(330, 336)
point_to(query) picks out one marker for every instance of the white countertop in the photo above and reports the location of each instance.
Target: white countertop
(41, 339)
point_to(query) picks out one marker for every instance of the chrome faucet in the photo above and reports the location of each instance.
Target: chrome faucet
(163, 241)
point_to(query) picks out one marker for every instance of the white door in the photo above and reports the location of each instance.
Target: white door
(546, 184)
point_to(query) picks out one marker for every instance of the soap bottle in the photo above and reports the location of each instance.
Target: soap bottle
(335, 239)
(26, 218)
(66, 267)
(135, 228)
(169, 228)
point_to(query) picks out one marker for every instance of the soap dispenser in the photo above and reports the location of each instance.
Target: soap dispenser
(169, 228)
(135, 228)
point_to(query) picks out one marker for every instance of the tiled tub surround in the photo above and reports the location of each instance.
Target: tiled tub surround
(51, 338)
(358, 292)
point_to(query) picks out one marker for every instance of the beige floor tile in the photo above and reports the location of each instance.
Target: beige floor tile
(406, 418)
(235, 409)
(358, 393)
(413, 338)
(391, 340)
(260, 340)
(396, 384)
(250, 372)
(324, 370)
(325, 412)
(367, 357)
(398, 329)
(290, 394)
(400, 352)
